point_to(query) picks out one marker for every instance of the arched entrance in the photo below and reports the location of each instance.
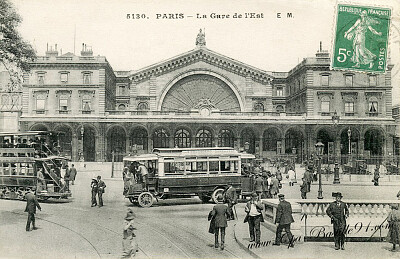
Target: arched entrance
(248, 140)
(271, 137)
(64, 141)
(138, 141)
(116, 142)
(294, 143)
(325, 137)
(89, 144)
(39, 127)
(160, 138)
(226, 138)
(345, 147)
(374, 142)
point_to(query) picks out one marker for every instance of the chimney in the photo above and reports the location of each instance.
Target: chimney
(322, 54)
(86, 51)
(51, 52)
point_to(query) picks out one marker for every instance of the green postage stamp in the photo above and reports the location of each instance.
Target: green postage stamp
(361, 38)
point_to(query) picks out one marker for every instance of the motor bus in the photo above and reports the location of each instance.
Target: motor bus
(27, 163)
(185, 172)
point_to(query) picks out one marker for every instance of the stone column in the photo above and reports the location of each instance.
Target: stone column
(75, 146)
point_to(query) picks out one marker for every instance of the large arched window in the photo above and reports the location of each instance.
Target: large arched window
(248, 141)
(160, 138)
(225, 138)
(271, 137)
(182, 138)
(204, 138)
(138, 140)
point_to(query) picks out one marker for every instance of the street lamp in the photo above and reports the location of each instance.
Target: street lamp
(320, 150)
(336, 179)
(349, 135)
(82, 159)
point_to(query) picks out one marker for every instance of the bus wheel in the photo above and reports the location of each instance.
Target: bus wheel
(218, 192)
(204, 198)
(132, 200)
(145, 199)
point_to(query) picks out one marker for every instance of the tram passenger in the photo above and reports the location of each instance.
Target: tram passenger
(142, 169)
(41, 184)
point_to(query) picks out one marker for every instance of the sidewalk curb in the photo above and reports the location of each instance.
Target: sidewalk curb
(242, 245)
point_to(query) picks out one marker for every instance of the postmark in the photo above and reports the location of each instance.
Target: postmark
(361, 38)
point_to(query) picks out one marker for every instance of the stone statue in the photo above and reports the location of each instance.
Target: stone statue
(201, 39)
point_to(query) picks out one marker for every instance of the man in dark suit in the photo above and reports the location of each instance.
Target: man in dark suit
(231, 199)
(100, 190)
(220, 213)
(72, 174)
(308, 177)
(259, 185)
(283, 220)
(31, 204)
(338, 212)
(254, 217)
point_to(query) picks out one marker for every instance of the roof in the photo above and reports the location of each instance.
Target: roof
(143, 157)
(28, 133)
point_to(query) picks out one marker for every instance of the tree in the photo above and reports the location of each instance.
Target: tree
(15, 53)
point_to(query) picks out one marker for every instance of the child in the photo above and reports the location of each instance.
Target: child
(129, 244)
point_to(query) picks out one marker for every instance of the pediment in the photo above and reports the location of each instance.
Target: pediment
(205, 55)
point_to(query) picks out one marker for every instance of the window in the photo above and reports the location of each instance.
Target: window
(40, 78)
(225, 138)
(64, 77)
(325, 105)
(325, 80)
(258, 107)
(86, 78)
(121, 107)
(182, 138)
(204, 138)
(63, 104)
(143, 106)
(279, 91)
(86, 104)
(122, 90)
(372, 80)
(349, 80)
(40, 105)
(349, 108)
(279, 109)
(160, 138)
(373, 107)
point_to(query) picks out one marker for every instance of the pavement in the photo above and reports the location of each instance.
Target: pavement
(306, 250)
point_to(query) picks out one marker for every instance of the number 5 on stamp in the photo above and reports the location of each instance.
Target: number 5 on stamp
(361, 38)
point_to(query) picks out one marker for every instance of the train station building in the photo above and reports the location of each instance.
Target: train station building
(202, 98)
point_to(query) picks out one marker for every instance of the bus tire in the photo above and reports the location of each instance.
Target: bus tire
(145, 200)
(216, 193)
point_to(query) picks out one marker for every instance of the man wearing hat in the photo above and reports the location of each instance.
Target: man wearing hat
(220, 213)
(254, 217)
(283, 220)
(259, 185)
(31, 204)
(94, 187)
(338, 212)
(129, 244)
(274, 187)
(231, 199)
(308, 177)
(100, 190)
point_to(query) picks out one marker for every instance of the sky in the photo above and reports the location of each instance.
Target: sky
(269, 43)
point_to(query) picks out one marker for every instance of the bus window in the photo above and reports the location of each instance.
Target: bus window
(229, 166)
(176, 168)
(29, 169)
(214, 167)
(201, 166)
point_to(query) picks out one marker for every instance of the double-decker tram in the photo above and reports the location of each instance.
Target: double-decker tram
(182, 172)
(28, 162)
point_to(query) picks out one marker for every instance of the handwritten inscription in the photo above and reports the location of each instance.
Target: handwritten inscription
(321, 231)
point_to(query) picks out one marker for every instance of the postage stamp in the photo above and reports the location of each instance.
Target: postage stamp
(361, 38)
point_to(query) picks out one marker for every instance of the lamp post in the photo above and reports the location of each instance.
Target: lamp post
(336, 179)
(320, 150)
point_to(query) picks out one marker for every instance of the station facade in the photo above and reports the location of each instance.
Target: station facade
(202, 98)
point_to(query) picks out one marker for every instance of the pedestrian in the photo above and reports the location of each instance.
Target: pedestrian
(398, 195)
(274, 187)
(265, 194)
(31, 204)
(143, 172)
(259, 185)
(376, 176)
(303, 189)
(291, 176)
(220, 213)
(283, 220)
(67, 177)
(231, 199)
(72, 174)
(126, 180)
(94, 187)
(279, 177)
(129, 243)
(254, 217)
(338, 212)
(308, 177)
(394, 226)
(100, 190)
